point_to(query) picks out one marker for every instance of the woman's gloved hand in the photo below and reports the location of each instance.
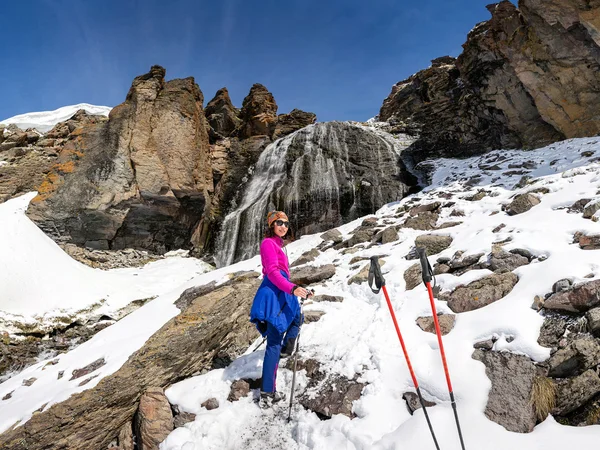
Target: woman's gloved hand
(262, 327)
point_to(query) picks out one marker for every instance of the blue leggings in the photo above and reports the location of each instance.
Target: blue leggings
(275, 340)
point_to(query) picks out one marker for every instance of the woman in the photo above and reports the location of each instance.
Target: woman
(275, 310)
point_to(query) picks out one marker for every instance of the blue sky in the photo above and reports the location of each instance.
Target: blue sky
(338, 59)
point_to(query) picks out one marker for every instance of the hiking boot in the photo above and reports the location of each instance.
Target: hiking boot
(288, 349)
(268, 399)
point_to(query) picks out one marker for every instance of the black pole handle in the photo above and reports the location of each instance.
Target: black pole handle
(375, 275)
(426, 270)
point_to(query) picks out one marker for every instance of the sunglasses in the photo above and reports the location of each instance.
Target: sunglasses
(281, 223)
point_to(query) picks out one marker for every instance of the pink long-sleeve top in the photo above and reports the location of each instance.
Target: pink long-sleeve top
(273, 261)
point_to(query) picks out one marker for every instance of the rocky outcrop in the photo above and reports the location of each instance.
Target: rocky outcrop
(142, 179)
(331, 173)
(221, 115)
(288, 123)
(214, 326)
(258, 114)
(525, 78)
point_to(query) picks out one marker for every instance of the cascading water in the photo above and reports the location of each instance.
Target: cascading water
(340, 171)
(249, 217)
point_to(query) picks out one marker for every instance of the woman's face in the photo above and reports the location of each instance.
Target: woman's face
(281, 228)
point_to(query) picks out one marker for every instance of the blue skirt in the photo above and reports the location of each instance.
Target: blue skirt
(274, 306)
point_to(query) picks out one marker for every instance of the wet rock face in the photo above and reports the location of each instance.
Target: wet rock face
(142, 179)
(337, 172)
(508, 87)
(509, 401)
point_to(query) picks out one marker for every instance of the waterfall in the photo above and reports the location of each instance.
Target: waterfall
(250, 216)
(328, 159)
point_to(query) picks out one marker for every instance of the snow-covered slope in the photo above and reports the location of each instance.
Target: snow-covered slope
(44, 120)
(356, 338)
(41, 284)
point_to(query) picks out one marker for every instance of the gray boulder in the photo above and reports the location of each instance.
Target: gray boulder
(433, 243)
(509, 401)
(581, 354)
(578, 299)
(480, 293)
(522, 203)
(572, 393)
(310, 274)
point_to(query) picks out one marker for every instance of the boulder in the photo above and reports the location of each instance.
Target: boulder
(433, 243)
(306, 257)
(424, 221)
(446, 322)
(182, 418)
(310, 274)
(210, 404)
(239, 389)
(327, 298)
(509, 400)
(552, 331)
(593, 319)
(333, 235)
(591, 208)
(573, 393)
(579, 299)
(413, 403)
(581, 354)
(522, 203)
(154, 420)
(412, 276)
(501, 261)
(313, 316)
(363, 275)
(334, 396)
(480, 293)
(589, 242)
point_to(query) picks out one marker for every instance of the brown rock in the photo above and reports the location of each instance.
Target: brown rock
(184, 417)
(306, 257)
(259, 113)
(480, 293)
(221, 115)
(522, 203)
(579, 299)
(335, 396)
(512, 379)
(446, 322)
(310, 274)
(210, 404)
(433, 243)
(363, 275)
(295, 120)
(239, 389)
(313, 316)
(126, 437)
(78, 373)
(154, 420)
(214, 324)
(572, 393)
(412, 276)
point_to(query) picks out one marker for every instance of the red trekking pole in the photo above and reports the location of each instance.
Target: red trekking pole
(427, 274)
(375, 275)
